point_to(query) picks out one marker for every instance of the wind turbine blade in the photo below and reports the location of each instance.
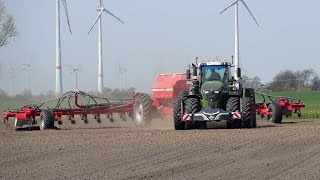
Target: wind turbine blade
(11, 68)
(99, 15)
(235, 2)
(107, 11)
(64, 2)
(101, 3)
(250, 12)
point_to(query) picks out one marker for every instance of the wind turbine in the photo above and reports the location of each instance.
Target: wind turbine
(26, 68)
(75, 70)
(236, 53)
(12, 74)
(58, 45)
(101, 9)
(121, 72)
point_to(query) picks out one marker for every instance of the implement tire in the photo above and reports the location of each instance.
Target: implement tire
(177, 108)
(233, 105)
(46, 120)
(142, 110)
(192, 105)
(276, 110)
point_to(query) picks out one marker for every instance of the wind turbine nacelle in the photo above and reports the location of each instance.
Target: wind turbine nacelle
(99, 9)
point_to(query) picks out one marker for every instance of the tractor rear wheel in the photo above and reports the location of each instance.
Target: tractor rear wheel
(249, 92)
(142, 110)
(46, 120)
(177, 119)
(192, 106)
(183, 95)
(276, 110)
(233, 105)
(247, 119)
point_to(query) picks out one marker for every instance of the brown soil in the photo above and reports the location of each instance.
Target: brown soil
(119, 151)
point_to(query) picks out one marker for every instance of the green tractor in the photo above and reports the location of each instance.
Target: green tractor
(214, 95)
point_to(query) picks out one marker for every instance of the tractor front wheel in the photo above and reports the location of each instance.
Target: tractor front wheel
(192, 106)
(177, 111)
(233, 105)
(142, 110)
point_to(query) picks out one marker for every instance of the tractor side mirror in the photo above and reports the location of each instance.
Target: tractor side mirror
(194, 72)
(239, 72)
(188, 74)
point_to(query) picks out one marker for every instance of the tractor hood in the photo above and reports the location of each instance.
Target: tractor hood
(212, 92)
(211, 86)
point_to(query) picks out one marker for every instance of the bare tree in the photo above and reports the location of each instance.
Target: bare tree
(305, 76)
(254, 82)
(284, 81)
(315, 83)
(7, 26)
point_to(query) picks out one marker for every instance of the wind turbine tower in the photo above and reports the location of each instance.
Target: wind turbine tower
(121, 72)
(12, 75)
(59, 88)
(75, 70)
(26, 68)
(236, 51)
(101, 9)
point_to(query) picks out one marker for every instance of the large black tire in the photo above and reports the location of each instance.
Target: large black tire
(233, 105)
(276, 110)
(250, 93)
(177, 119)
(142, 110)
(46, 120)
(192, 105)
(183, 95)
(247, 119)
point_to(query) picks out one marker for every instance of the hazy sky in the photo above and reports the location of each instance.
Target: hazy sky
(158, 37)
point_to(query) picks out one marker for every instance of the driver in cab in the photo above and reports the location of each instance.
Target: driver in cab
(214, 76)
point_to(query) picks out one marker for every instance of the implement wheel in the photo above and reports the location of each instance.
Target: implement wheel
(142, 110)
(276, 110)
(46, 120)
(178, 123)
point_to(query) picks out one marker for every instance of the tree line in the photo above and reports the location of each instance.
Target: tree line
(287, 80)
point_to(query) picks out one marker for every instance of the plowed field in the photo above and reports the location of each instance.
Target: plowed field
(120, 151)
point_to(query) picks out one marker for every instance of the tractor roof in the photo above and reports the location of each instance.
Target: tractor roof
(214, 63)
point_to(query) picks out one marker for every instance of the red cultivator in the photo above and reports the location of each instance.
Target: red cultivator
(141, 108)
(278, 107)
(94, 105)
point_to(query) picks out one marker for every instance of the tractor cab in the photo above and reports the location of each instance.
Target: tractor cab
(214, 78)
